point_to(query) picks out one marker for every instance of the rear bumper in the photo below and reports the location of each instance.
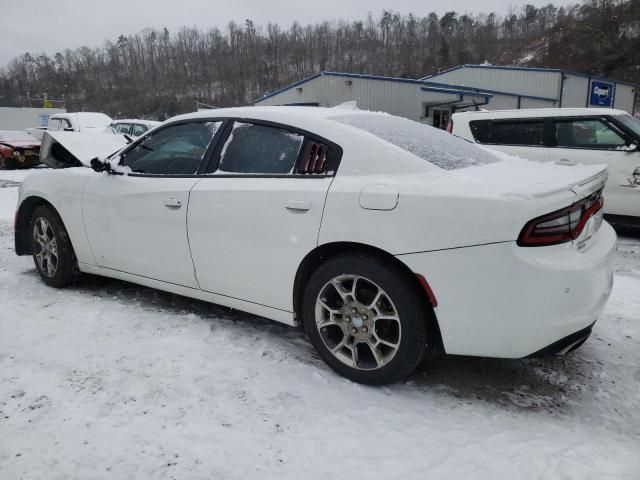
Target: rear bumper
(566, 344)
(501, 300)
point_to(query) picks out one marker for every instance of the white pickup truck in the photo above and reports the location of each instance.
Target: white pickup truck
(74, 122)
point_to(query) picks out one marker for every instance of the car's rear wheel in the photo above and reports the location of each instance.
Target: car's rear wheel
(365, 318)
(53, 253)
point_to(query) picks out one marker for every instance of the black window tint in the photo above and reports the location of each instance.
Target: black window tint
(175, 150)
(517, 133)
(481, 130)
(587, 133)
(258, 149)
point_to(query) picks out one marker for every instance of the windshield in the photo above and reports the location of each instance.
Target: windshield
(434, 145)
(631, 123)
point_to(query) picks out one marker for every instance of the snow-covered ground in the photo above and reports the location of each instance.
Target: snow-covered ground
(111, 380)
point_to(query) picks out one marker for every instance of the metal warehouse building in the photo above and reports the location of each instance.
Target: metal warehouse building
(434, 98)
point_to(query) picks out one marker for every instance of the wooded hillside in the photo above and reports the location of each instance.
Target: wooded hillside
(158, 73)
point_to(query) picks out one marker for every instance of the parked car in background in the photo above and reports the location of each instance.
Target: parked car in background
(568, 136)
(74, 122)
(383, 236)
(132, 127)
(18, 150)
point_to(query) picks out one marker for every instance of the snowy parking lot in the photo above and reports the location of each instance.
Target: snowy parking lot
(112, 380)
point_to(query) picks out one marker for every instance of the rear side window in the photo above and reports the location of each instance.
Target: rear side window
(481, 130)
(526, 133)
(508, 132)
(260, 149)
(587, 133)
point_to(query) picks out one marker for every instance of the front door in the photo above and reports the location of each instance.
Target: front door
(136, 222)
(257, 214)
(594, 141)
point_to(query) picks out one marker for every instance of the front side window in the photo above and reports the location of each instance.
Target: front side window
(631, 123)
(259, 149)
(138, 130)
(174, 150)
(525, 133)
(587, 133)
(123, 128)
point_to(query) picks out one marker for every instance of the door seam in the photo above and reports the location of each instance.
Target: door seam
(186, 225)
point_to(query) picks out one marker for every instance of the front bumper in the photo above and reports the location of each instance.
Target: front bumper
(501, 300)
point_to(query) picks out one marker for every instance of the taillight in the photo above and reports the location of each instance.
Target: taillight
(450, 126)
(562, 225)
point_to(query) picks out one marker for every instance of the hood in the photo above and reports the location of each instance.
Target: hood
(77, 149)
(20, 143)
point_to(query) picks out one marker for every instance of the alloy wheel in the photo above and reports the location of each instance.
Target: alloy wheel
(358, 322)
(46, 247)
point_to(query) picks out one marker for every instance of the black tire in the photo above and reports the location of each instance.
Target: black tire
(410, 307)
(7, 163)
(66, 266)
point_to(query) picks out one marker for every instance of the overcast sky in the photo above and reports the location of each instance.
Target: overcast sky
(53, 25)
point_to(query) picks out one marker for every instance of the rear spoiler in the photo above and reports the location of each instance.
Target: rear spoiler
(76, 149)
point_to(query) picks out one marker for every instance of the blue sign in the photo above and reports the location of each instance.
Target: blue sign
(601, 94)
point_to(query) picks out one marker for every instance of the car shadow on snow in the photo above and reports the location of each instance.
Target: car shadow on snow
(550, 384)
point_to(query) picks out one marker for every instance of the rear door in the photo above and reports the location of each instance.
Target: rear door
(593, 141)
(257, 212)
(522, 137)
(136, 222)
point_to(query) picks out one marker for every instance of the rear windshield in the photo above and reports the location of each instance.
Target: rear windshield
(436, 146)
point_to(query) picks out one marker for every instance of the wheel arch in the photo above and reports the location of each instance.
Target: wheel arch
(23, 220)
(324, 252)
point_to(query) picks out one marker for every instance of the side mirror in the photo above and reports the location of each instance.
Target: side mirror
(98, 166)
(68, 129)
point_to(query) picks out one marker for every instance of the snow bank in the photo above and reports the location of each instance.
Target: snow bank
(112, 380)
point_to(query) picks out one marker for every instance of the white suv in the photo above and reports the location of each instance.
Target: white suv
(567, 136)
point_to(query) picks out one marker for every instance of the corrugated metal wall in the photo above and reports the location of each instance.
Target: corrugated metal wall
(397, 98)
(20, 118)
(625, 97)
(406, 99)
(574, 91)
(527, 82)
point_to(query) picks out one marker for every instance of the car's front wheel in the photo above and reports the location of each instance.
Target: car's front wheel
(365, 318)
(53, 253)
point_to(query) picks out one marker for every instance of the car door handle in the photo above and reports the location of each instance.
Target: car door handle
(566, 161)
(172, 202)
(298, 205)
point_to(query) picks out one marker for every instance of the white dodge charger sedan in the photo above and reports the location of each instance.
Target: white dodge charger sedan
(382, 236)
